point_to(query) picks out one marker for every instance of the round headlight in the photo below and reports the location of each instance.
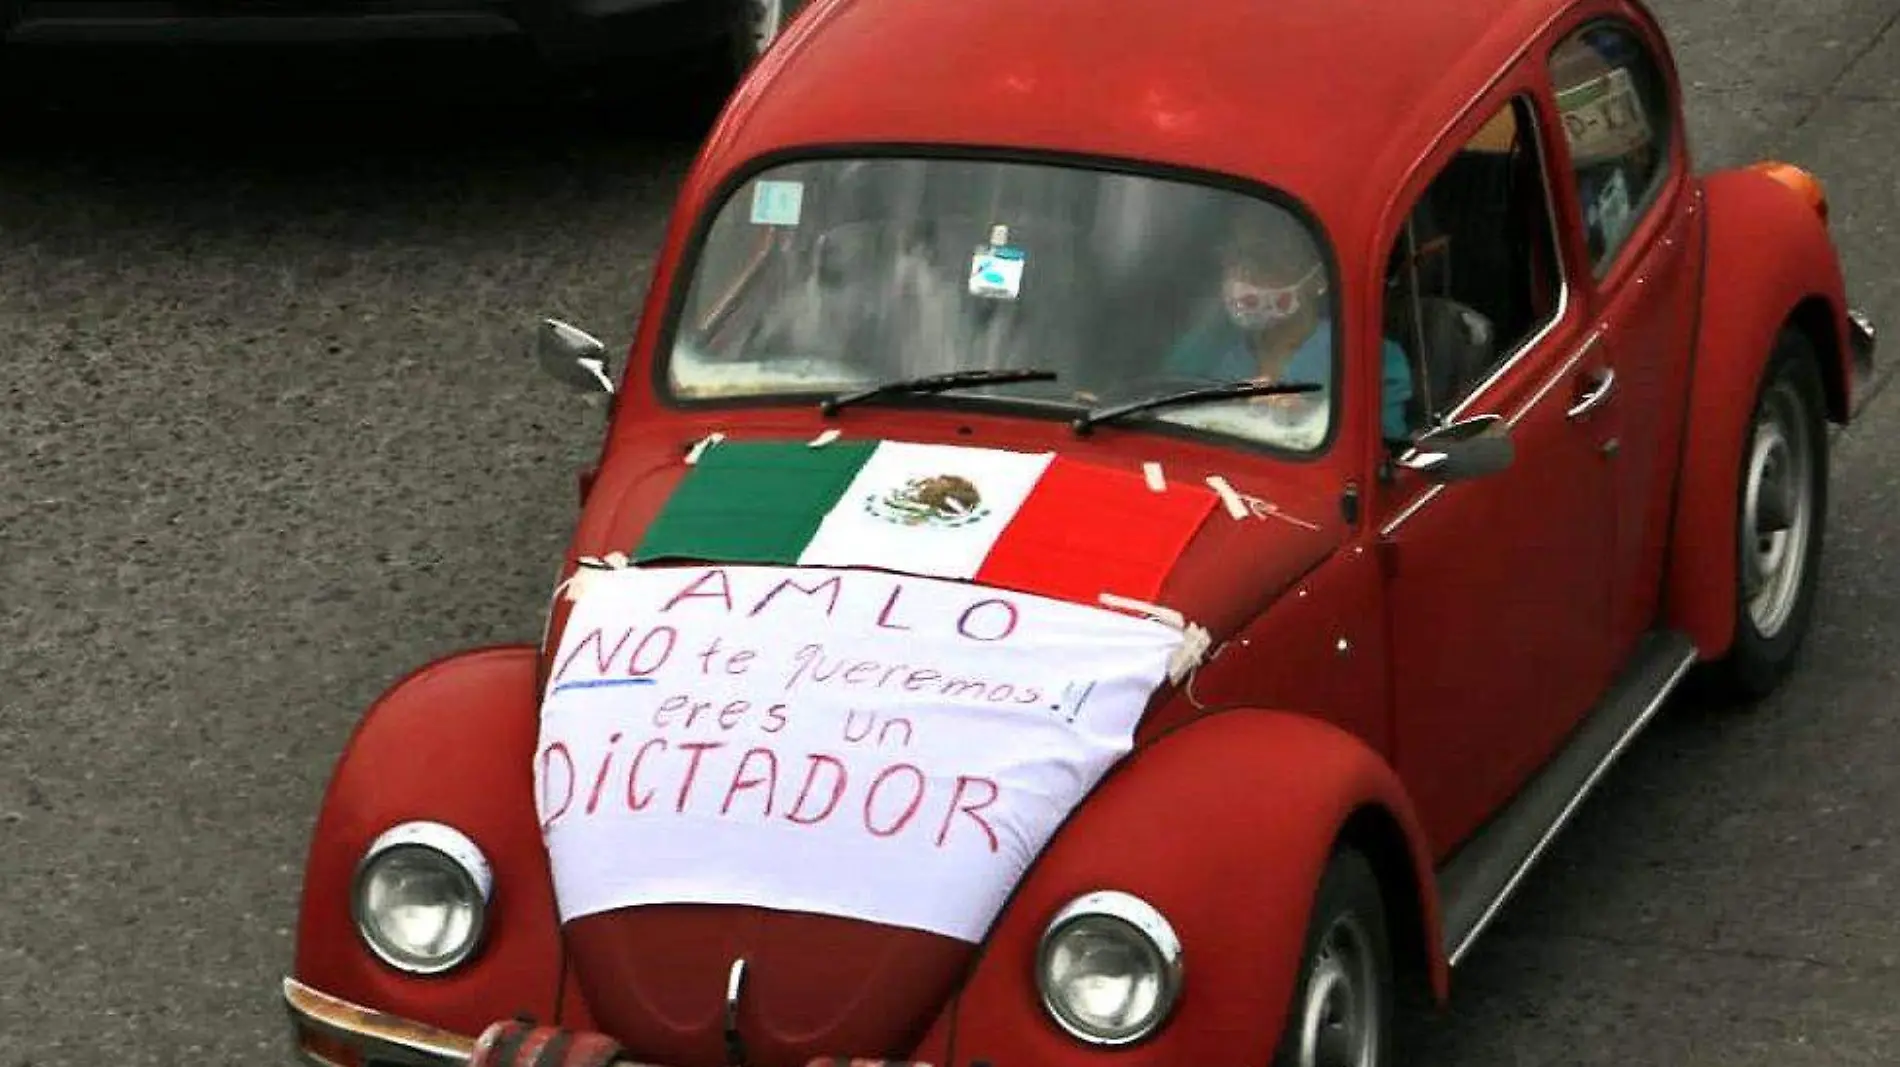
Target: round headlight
(421, 897)
(1109, 968)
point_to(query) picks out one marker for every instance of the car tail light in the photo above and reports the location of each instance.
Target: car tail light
(1801, 181)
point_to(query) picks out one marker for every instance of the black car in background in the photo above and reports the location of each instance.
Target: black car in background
(722, 37)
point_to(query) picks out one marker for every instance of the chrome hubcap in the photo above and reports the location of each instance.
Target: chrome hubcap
(1339, 1021)
(1777, 510)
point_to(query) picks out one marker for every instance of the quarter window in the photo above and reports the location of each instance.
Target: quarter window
(1473, 274)
(1615, 108)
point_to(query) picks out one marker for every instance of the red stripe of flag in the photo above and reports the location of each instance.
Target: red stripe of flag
(1088, 530)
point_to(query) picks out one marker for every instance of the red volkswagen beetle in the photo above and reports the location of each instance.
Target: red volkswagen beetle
(1124, 531)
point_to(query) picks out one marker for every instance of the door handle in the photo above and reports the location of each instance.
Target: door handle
(1595, 397)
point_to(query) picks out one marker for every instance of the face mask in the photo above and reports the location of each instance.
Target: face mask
(1254, 307)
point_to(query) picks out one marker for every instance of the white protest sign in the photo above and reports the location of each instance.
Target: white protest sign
(848, 742)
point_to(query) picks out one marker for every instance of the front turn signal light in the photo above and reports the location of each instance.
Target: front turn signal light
(1801, 181)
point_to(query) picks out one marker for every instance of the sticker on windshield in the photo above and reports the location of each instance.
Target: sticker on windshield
(777, 203)
(997, 272)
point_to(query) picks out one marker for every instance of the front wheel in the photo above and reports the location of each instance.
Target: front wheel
(1780, 517)
(1343, 1008)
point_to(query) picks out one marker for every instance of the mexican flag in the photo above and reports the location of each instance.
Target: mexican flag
(1033, 522)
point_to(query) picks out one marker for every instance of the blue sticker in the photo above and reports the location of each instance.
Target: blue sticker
(777, 203)
(997, 272)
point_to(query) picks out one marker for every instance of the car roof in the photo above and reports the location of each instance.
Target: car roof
(1330, 100)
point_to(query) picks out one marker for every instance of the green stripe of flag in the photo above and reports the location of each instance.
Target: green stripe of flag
(753, 501)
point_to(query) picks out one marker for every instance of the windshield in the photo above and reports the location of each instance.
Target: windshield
(828, 275)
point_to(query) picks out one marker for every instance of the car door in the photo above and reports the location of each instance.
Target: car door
(1624, 166)
(1495, 594)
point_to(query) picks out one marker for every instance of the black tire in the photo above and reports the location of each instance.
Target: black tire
(1763, 653)
(1349, 913)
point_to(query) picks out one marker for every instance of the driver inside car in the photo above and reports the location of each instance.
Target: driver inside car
(1274, 324)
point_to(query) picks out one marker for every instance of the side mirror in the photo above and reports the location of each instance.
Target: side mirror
(1466, 449)
(572, 357)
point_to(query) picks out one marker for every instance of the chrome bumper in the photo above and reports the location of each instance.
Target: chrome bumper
(322, 1024)
(1860, 342)
(374, 1034)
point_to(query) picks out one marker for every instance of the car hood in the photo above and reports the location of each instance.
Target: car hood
(1230, 572)
(656, 976)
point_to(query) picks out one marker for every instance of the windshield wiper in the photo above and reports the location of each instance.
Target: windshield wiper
(937, 383)
(1228, 391)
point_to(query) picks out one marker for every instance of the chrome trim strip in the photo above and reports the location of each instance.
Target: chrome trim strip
(1529, 344)
(1418, 503)
(1463, 410)
(369, 1028)
(1562, 372)
(1564, 283)
(1563, 817)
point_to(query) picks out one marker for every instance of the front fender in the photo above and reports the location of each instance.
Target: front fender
(1769, 263)
(452, 742)
(1225, 824)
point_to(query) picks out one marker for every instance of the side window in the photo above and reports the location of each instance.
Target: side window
(1473, 274)
(1615, 107)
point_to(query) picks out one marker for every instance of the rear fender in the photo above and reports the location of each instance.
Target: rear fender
(1769, 264)
(1225, 824)
(453, 742)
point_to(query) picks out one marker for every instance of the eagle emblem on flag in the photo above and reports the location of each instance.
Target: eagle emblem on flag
(943, 500)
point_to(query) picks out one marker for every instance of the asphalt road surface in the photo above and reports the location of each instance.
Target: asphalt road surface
(270, 440)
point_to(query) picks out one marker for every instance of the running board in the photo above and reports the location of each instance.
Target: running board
(1484, 873)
